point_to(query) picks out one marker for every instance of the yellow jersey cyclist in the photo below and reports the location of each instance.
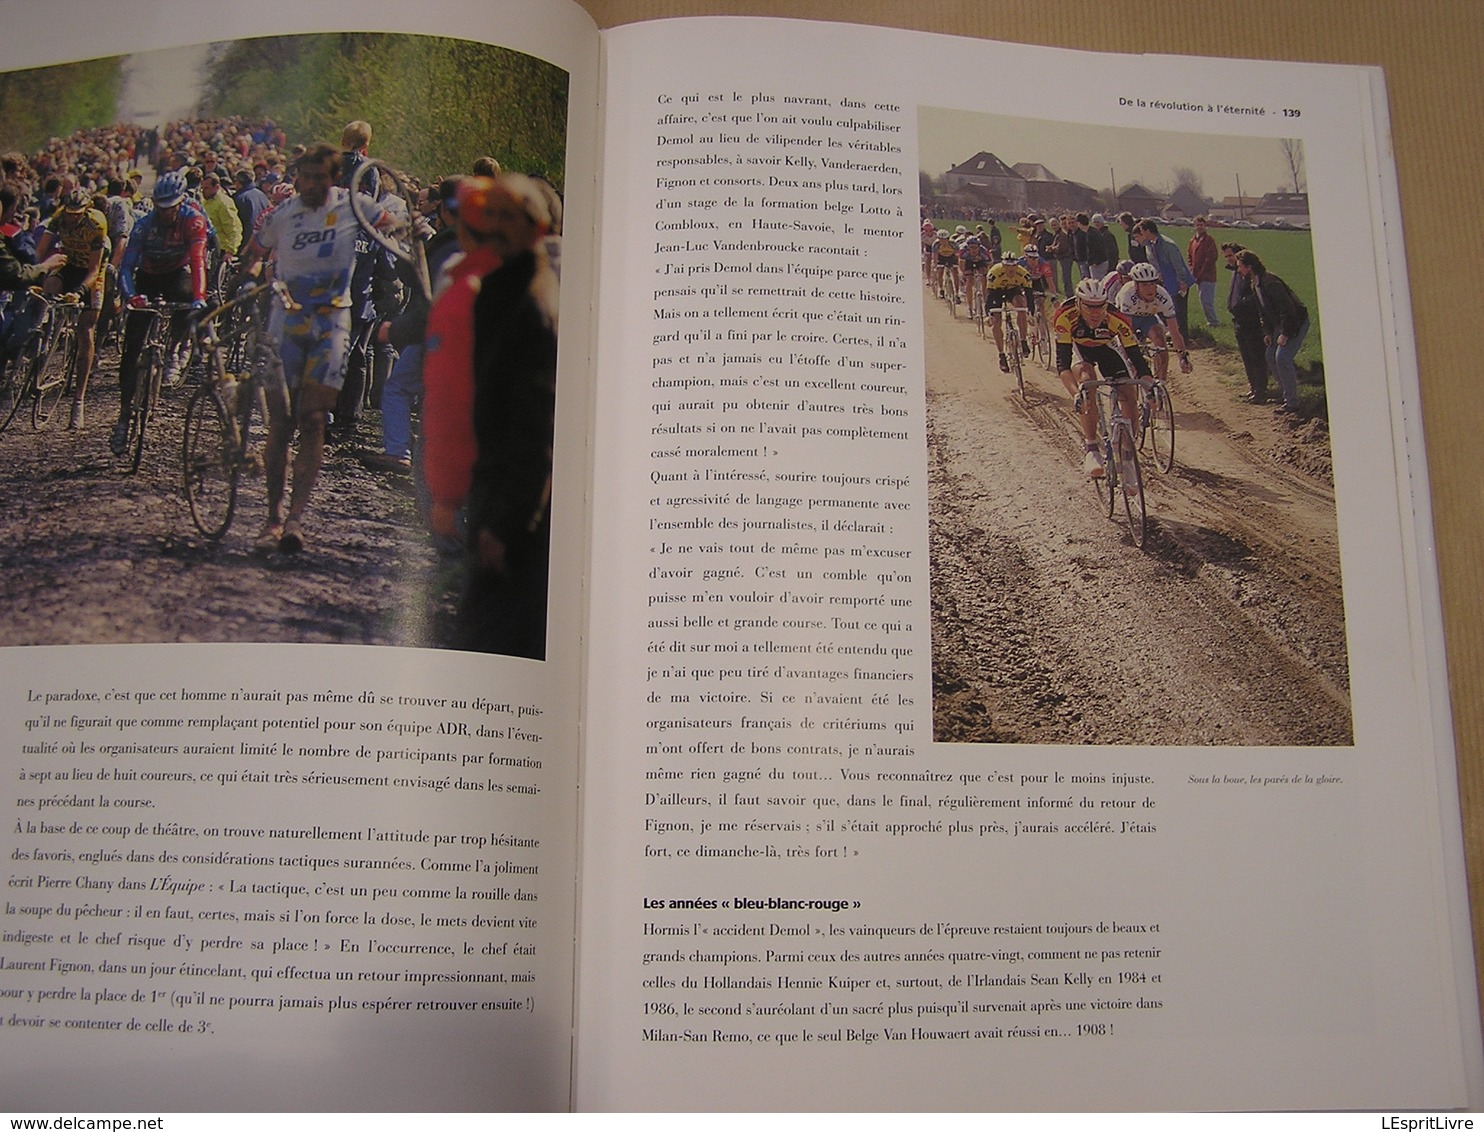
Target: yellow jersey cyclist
(1007, 284)
(1092, 337)
(1149, 307)
(945, 258)
(80, 232)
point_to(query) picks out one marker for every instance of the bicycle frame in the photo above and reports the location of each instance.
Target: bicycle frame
(1118, 446)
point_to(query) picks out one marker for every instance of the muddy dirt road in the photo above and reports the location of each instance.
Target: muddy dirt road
(1050, 626)
(90, 554)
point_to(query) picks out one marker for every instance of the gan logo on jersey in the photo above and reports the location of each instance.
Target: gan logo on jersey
(325, 236)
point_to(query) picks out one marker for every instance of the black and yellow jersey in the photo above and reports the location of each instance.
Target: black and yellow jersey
(1116, 333)
(1007, 276)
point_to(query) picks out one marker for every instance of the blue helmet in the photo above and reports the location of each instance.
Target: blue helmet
(169, 189)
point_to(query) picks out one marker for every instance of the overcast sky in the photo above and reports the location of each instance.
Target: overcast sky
(1084, 153)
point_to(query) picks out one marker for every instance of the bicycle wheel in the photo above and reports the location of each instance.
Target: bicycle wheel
(1162, 427)
(1017, 366)
(1131, 486)
(209, 463)
(145, 394)
(51, 376)
(15, 383)
(950, 292)
(1044, 353)
(1107, 483)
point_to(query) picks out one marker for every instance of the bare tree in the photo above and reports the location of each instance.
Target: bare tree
(1190, 179)
(1293, 153)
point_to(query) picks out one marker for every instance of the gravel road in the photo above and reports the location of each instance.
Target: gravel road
(94, 554)
(1050, 626)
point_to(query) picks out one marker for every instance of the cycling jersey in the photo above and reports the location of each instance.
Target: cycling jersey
(316, 247)
(974, 256)
(1105, 346)
(1158, 305)
(85, 234)
(1041, 274)
(158, 247)
(1111, 284)
(1008, 277)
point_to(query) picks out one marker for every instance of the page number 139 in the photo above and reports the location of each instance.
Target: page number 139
(1289, 112)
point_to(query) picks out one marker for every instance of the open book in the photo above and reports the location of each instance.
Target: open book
(870, 764)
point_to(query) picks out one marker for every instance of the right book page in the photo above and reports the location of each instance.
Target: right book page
(934, 772)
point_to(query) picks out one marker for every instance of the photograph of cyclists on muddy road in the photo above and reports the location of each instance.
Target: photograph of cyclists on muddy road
(1132, 507)
(279, 344)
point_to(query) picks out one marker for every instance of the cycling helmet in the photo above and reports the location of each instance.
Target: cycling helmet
(169, 190)
(1090, 291)
(1144, 273)
(959, 230)
(78, 200)
(1032, 252)
(1010, 257)
(1125, 266)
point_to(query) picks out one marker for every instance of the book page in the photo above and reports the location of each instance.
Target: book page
(291, 868)
(942, 779)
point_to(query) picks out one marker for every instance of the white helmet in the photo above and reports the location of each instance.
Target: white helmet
(1090, 291)
(1144, 273)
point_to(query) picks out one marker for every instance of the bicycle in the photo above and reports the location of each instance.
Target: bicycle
(149, 374)
(950, 290)
(1014, 346)
(1041, 339)
(54, 372)
(218, 418)
(1119, 449)
(404, 239)
(45, 361)
(1157, 418)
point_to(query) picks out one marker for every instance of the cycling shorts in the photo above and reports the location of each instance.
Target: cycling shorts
(313, 342)
(1143, 323)
(76, 279)
(1108, 361)
(999, 296)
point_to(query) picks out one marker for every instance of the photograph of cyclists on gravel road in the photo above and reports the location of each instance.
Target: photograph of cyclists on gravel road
(1132, 510)
(231, 408)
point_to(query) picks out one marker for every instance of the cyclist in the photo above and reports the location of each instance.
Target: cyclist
(973, 262)
(165, 260)
(1149, 307)
(313, 236)
(1043, 277)
(1114, 281)
(1007, 284)
(1091, 337)
(81, 232)
(945, 258)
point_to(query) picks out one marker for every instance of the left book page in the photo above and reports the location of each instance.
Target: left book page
(272, 840)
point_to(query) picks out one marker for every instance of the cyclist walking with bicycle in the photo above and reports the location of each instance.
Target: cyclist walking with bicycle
(1091, 337)
(166, 261)
(313, 237)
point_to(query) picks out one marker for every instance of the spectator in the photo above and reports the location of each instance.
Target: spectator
(1200, 254)
(1285, 324)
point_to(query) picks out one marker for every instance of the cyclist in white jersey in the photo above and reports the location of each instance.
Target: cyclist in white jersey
(1149, 307)
(312, 237)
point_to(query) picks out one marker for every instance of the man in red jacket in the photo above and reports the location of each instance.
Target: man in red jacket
(1201, 254)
